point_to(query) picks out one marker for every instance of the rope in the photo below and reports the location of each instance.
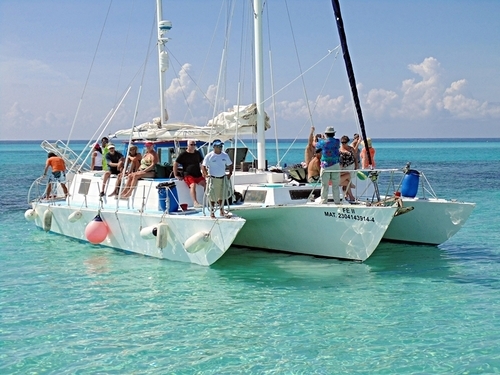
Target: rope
(90, 70)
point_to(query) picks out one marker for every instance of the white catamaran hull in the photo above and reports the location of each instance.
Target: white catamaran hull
(189, 236)
(432, 221)
(212, 237)
(281, 217)
(328, 230)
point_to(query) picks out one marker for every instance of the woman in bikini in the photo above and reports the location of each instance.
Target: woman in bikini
(348, 161)
(146, 170)
(133, 164)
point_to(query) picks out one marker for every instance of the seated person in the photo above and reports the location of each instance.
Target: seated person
(191, 167)
(314, 167)
(133, 162)
(146, 170)
(114, 162)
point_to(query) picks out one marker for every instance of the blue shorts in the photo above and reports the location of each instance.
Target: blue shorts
(58, 177)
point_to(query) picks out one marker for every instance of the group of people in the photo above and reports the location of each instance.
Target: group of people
(196, 170)
(326, 155)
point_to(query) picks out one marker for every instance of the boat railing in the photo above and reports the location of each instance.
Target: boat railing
(375, 185)
(391, 182)
(71, 159)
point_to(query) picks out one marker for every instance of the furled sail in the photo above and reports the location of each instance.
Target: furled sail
(239, 120)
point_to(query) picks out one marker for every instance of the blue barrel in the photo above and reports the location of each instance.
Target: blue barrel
(409, 186)
(173, 199)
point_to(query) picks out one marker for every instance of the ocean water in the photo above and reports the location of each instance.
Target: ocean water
(72, 308)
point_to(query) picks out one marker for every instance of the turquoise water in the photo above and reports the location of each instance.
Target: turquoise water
(72, 308)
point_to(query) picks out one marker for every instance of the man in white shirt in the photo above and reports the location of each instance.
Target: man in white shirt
(214, 170)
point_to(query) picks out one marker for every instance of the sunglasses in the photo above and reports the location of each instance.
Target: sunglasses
(192, 144)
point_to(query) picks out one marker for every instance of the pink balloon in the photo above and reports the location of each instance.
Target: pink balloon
(96, 231)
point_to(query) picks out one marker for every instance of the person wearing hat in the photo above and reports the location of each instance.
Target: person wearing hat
(314, 167)
(214, 170)
(190, 160)
(330, 159)
(114, 163)
(146, 170)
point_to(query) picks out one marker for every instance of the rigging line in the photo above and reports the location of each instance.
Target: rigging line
(278, 161)
(132, 13)
(183, 91)
(136, 111)
(92, 141)
(350, 73)
(222, 78)
(298, 61)
(302, 74)
(88, 75)
(239, 89)
(317, 98)
(111, 118)
(212, 41)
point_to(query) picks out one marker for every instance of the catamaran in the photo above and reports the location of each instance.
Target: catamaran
(431, 220)
(155, 221)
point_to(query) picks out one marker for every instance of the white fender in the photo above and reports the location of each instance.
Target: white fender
(197, 242)
(30, 214)
(148, 233)
(47, 220)
(75, 216)
(161, 235)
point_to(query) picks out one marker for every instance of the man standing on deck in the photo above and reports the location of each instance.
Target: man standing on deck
(58, 173)
(330, 165)
(191, 170)
(214, 166)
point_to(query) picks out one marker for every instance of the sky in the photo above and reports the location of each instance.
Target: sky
(424, 69)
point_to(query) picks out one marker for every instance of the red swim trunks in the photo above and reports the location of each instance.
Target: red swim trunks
(193, 180)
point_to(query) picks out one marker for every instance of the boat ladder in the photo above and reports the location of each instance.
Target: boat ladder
(71, 159)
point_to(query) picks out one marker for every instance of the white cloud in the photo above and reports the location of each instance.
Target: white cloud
(21, 122)
(424, 98)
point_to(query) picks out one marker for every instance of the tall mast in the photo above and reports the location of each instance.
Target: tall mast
(163, 28)
(259, 85)
(350, 73)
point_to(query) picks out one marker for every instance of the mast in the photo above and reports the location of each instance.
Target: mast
(163, 28)
(259, 85)
(350, 73)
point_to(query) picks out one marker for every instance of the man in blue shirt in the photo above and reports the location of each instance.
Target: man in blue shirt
(330, 166)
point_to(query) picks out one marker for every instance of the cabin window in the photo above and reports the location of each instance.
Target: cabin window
(84, 186)
(304, 194)
(255, 196)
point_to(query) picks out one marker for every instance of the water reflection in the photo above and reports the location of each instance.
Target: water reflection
(255, 266)
(96, 264)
